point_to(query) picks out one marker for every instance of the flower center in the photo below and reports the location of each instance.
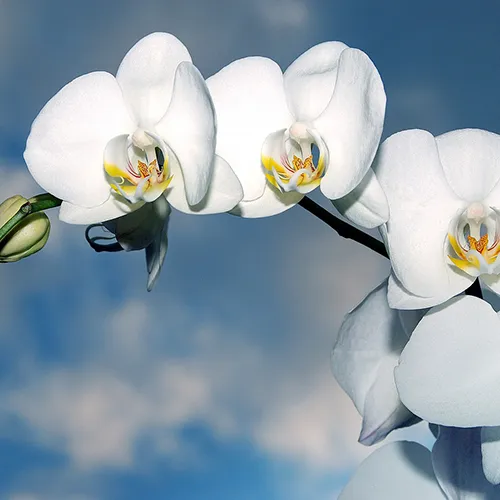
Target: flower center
(289, 162)
(137, 166)
(474, 240)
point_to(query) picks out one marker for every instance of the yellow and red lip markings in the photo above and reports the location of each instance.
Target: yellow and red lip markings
(479, 258)
(298, 175)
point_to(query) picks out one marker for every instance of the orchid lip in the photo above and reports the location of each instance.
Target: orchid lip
(137, 166)
(474, 240)
(288, 160)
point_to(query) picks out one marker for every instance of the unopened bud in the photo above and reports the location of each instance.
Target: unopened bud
(28, 237)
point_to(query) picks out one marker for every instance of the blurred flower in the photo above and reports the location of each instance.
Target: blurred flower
(408, 470)
(107, 145)
(449, 373)
(439, 365)
(444, 229)
(364, 356)
(27, 237)
(318, 124)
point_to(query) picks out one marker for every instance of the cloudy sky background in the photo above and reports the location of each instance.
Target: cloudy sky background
(217, 384)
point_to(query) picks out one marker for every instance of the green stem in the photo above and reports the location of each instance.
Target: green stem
(36, 204)
(43, 202)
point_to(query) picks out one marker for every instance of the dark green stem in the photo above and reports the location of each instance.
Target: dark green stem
(343, 228)
(36, 204)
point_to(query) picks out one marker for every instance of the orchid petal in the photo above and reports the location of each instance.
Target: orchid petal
(490, 449)
(366, 205)
(471, 162)
(157, 250)
(146, 76)
(224, 192)
(250, 102)
(421, 207)
(395, 471)
(449, 371)
(114, 207)
(188, 127)
(456, 457)
(272, 202)
(364, 356)
(64, 151)
(138, 229)
(400, 298)
(351, 125)
(434, 428)
(492, 281)
(310, 80)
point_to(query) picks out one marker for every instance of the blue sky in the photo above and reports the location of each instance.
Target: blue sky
(217, 384)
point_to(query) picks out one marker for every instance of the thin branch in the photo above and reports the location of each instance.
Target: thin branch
(43, 202)
(344, 229)
(350, 232)
(475, 289)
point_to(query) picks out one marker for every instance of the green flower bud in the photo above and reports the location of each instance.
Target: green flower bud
(28, 237)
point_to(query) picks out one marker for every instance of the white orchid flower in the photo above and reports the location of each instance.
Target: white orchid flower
(364, 356)
(444, 225)
(106, 146)
(396, 365)
(449, 372)
(318, 124)
(407, 470)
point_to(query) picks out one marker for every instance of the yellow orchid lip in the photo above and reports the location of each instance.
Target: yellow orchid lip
(287, 158)
(285, 176)
(137, 170)
(473, 252)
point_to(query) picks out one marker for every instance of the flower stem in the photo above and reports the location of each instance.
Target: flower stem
(36, 204)
(43, 201)
(343, 228)
(475, 290)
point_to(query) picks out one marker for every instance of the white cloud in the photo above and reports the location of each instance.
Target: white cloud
(142, 376)
(318, 427)
(97, 417)
(133, 382)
